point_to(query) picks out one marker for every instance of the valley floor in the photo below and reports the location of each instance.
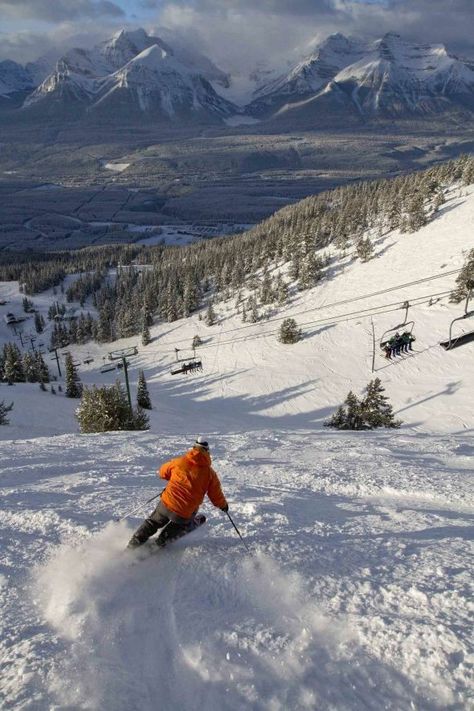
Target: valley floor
(356, 594)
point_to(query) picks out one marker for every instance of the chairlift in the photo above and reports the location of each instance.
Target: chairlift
(407, 326)
(462, 338)
(87, 361)
(191, 366)
(123, 353)
(184, 359)
(107, 368)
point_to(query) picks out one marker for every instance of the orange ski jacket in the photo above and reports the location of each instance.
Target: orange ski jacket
(190, 478)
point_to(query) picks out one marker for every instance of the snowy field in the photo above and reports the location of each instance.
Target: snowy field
(357, 592)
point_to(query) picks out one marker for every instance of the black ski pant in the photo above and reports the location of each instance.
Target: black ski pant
(173, 527)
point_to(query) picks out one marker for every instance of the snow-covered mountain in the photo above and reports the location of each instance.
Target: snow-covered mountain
(155, 82)
(397, 77)
(309, 75)
(389, 77)
(343, 80)
(14, 78)
(131, 72)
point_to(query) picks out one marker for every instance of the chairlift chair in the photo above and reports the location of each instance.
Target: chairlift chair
(191, 366)
(107, 368)
(462, 338)
(406, 326)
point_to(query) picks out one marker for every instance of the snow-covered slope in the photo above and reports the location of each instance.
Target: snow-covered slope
(251, 378)
(356, 594)
(355, 597)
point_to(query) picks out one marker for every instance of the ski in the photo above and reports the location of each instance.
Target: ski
(150, 547)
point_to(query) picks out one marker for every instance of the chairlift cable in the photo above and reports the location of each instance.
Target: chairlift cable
(348, 301)
(329, 320)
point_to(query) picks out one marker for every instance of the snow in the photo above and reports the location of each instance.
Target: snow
(241, 120)
(116, 167)
(355, 596)
(357, 592)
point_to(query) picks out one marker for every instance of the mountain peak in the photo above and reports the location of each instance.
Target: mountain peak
(138, 36)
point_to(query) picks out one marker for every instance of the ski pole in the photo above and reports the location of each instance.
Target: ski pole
(238, 532)
(137, 508)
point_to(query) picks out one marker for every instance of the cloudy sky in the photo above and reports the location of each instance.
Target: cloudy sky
(257, 30)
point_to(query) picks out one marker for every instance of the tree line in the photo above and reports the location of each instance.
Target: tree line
(260, 269)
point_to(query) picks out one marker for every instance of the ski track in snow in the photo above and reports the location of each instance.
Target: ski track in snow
(357, 594)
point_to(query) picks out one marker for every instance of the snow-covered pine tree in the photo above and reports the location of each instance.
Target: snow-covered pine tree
(370, 413)
(42, 369)
(39, 323)
(252, 310)
(106, 409)
(365, 249)
(13, 364)
(197, 341)
(354, 419)
(310, 271)
(29, 368)
(338, 419)
(143, 396)
(375, 408)
(281, 290)
(289, 331)
(416, 216)
(210, 317)
(73, 383)
(146, 337)
(4, 410)
(465, 280)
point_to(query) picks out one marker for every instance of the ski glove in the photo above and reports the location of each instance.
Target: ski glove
(225, 508)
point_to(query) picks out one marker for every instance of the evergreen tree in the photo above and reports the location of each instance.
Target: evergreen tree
(210, 317)
(28, 305)
(375, 408)
(106, 409)
(252, 310)
(465, 280)
(281, 290)
(146, 337)
(310, 271)
(13, 364)
(73, 383)
(4, 410)
(29, 368)
(416, 216)
(143, 396)
(39, 323)
(289, 331)
(365, 249)
(354, 419)
(338, 420)
(42, 370)
(370, 413)
(197, 341)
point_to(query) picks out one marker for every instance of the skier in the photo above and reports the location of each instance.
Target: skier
(190, 478)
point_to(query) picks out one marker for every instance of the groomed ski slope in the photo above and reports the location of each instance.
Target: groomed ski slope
(358, 590)
(356, 595)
